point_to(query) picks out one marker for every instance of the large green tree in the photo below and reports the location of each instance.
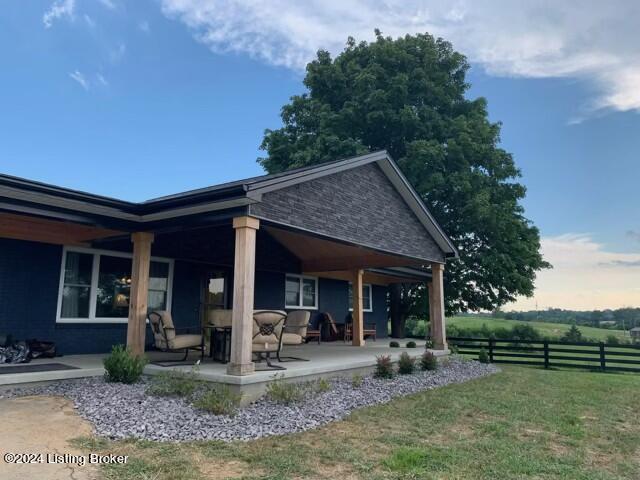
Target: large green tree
(408, 96)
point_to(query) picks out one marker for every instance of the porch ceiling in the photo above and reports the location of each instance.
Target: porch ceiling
(36, 229)
(321, 255)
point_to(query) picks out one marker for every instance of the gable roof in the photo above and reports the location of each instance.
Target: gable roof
(214, 198)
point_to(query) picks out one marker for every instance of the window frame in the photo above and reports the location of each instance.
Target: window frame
(364, 285)
(300, 291)
(93, 287)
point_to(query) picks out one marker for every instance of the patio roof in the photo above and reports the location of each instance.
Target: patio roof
(36, 198)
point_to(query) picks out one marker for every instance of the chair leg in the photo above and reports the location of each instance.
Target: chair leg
(271, 365)
(290, 359)
(186, 354)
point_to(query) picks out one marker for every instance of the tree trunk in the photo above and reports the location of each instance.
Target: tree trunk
(396, 310)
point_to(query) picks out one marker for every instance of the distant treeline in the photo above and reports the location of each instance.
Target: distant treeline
(622, 318)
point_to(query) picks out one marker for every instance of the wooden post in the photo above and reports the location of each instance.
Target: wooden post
(491, 343)
(429, 333)
(137, 323)
(603, 361)
(357, 326)
(546, 354)
(436, 308)
(243, 284)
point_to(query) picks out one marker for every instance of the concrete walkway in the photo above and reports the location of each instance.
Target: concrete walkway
(42, 425)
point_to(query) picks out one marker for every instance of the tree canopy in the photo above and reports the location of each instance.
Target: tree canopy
(407, 96)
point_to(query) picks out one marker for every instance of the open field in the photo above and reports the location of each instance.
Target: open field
(521, 423)
(550, 329)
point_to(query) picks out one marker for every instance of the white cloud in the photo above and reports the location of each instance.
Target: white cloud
(585, 276)
(588, 40)
(101, 80)
(116, 54)
(80, 78)
(108, 3)
(89, 21)
(144, 26)
(59, 9)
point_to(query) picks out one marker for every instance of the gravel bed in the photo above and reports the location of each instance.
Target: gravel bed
(123, 411)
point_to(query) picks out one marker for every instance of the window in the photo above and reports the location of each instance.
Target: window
(76, 287)
(367, 296)
(96, 286)
(301, 292)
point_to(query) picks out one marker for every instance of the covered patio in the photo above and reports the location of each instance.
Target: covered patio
(351, 227)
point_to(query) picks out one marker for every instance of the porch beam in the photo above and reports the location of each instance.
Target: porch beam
(243, 288)
(436, 308)
(357, 326)
(136, 326)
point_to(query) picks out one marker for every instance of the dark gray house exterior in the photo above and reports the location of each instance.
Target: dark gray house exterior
(66, 270)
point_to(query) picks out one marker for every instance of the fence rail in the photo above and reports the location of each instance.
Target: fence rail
(552, 354)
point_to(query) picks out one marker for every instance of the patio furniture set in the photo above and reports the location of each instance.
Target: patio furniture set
(272, 330)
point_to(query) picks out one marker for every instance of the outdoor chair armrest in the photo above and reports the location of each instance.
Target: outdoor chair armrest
(193, 329)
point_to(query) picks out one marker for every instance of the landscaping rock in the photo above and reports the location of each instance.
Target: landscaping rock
(122, 411)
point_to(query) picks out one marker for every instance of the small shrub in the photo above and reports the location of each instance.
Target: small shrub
(411, 344)
(406, 364)
(483, 356)
(322, 385)
(453, 349)
(356, 381)
(384, 367)
(428, 343)
(121, 366)
(428, 361)
(218, 400)
(613, 340)
(285, 393)
(394, 344)
(175, 383)
(573, 335)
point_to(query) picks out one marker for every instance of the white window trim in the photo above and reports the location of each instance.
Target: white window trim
(300, 277)
(364, 285)
(93, 288)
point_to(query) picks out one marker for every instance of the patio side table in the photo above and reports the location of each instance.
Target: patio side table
(220, 343)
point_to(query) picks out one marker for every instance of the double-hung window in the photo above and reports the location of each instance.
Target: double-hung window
(367, 297)
(301, 291)
(95, 286)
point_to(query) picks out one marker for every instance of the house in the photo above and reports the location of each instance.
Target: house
(635, 334)
(83, 270)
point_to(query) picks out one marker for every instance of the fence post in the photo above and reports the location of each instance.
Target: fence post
(491, 350)
(603, 361)
(546, 354)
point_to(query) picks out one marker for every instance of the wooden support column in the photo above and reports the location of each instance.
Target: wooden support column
(357, 312)
(137, 324)
(243, 282)
(436, 308)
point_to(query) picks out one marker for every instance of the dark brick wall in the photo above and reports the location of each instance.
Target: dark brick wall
(29, 280)
(359, 205)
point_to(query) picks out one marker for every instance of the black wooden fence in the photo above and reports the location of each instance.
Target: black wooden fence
(548, 354)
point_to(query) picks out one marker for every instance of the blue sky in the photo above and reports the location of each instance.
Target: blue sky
(141, 99)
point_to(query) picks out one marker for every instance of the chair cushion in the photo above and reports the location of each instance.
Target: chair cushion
(185, 341)
(264, 347)
(291, 339)
(167, 323)
(220, 318)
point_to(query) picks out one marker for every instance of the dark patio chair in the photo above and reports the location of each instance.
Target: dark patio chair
(369, 329)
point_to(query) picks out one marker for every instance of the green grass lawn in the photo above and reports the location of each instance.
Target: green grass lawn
(521, 423)
(550, 329)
